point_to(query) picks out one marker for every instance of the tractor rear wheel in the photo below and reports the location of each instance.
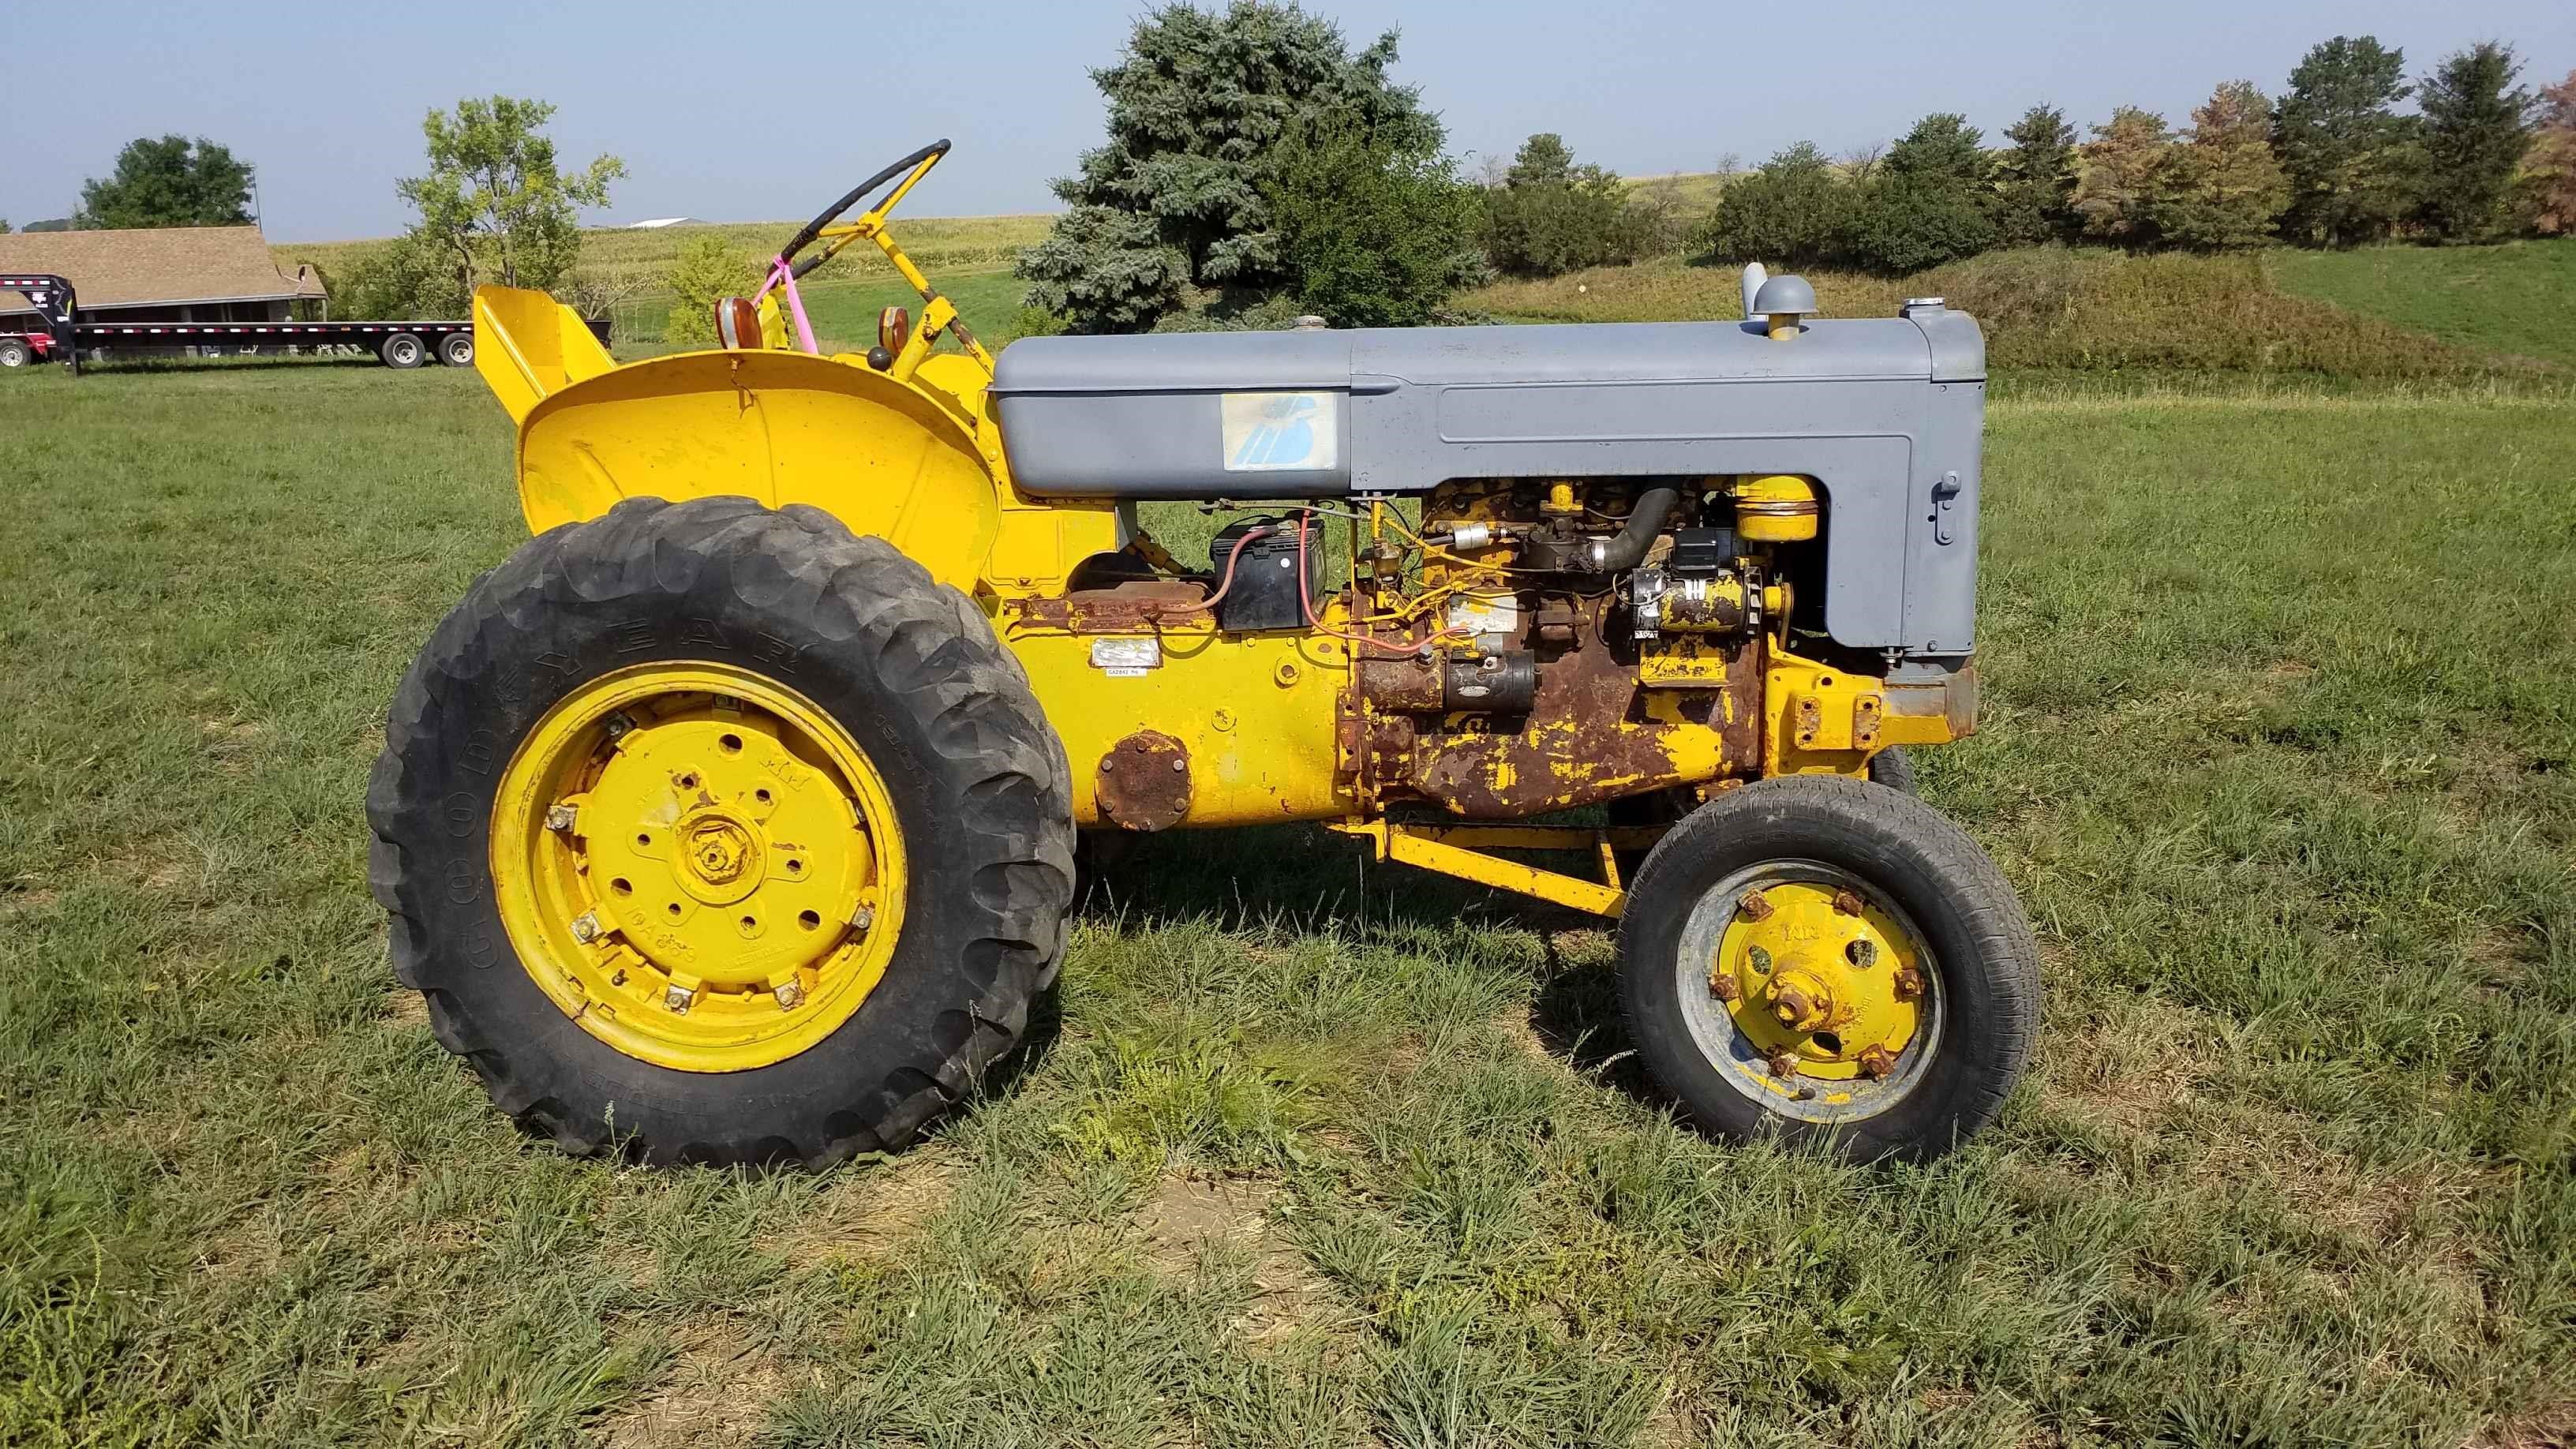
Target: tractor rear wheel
(1820, 957)
(721, 835)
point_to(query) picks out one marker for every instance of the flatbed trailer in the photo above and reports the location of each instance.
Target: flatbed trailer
(66, 338)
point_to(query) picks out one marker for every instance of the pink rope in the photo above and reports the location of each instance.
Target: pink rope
(780, 275)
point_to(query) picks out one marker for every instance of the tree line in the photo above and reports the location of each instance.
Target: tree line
(1256, 167)
(2332, 163)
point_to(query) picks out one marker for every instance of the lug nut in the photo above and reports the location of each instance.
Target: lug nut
(864, 917)
(1755, 907)
(678, 999)
(585, 927)
(1179, 766)
(1875, 1063)
(1909, 984)
(560, 817)
(1846, 903)
(1862, 953)
(1783, 1064)
(617, 725)
(788, 994)
(1723, 986)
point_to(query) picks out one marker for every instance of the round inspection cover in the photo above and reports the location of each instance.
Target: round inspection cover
(1143, 783)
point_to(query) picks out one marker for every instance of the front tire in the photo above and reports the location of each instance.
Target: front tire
(652, 675)
(1832, 961)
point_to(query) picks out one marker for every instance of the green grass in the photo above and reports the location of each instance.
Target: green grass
(844, 310)
(2280, 745)
(2514, 299)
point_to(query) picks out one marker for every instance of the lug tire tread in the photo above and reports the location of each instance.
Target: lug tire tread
(914, 641)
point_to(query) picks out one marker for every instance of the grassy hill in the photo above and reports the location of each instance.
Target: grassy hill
(2098, 310)
(2517, 299)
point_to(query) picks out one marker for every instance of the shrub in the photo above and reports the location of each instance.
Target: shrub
(1376, 228)
(707, 271)
(1902, 223)
(1552, 215)
(1790, 212)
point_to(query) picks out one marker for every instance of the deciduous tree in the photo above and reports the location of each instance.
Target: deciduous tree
(2354, 163)
(2223, 189)
(2477, 127)
(1175, 206)
(2553, 160)
(169, 182)
(495, 206)
(2121, 166)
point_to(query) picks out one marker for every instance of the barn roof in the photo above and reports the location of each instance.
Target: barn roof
(155, 266)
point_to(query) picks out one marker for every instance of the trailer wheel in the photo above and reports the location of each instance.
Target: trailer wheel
(712, 833)
(403, 350)
(13, 353)
(456, 349)
(1833, 961)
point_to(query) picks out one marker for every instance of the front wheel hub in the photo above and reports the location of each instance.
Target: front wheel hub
(1815, 999)
(729, 889)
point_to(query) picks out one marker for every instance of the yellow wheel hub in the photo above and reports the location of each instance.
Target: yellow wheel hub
(1820, 981)
(698, 865)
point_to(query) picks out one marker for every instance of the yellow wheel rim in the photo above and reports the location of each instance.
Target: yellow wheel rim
(1811, 990)
(698, 865)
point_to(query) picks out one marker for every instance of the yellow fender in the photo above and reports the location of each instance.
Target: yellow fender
(781, 427)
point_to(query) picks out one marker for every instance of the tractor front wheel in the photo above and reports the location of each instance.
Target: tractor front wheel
(1829, 959)
(718, 834)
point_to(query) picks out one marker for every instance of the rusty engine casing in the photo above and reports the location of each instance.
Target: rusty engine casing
(1584, 728)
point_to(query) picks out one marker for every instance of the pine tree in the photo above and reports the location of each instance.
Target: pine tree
(2477, 126)
(1942, 149)
(2354, 164)
(1172, 208)
(2223, 189)
(2035, 180)
(2121, 168)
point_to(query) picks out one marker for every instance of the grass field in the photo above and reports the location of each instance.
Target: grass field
(2280, 746)
(2511, 299)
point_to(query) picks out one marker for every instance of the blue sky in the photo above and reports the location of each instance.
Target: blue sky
(733, 113)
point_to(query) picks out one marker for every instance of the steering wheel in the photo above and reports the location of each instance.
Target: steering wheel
(918, 161)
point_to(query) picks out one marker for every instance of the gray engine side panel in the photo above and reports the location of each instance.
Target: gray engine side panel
(1885, 414)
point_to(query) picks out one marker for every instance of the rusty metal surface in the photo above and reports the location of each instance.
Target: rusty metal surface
(1593, 733)
(1124, 609)
(1143, 783)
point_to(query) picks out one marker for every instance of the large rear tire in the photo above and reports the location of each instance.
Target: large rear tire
(1830, 960)
(577, 752)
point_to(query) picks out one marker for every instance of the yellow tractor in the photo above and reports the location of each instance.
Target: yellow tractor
(733, 817)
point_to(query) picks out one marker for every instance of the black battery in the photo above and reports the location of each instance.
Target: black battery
(1263, 594)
